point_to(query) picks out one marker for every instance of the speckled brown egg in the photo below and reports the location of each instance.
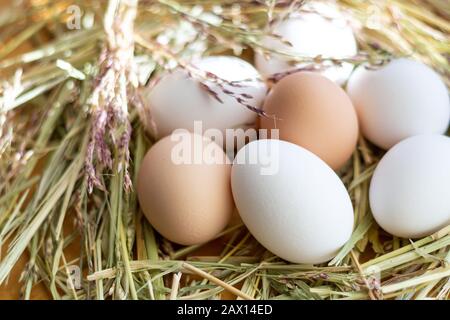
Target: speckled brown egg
(315, 113)
(184, 188)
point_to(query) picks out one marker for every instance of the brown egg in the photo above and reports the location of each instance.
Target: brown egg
(186, 195)
(315, 113)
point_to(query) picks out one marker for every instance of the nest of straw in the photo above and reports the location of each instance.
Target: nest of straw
(72, 137)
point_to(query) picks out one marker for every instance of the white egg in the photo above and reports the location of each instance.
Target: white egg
(311, 34)
(178, 100)
(399, 100)
(291, 201)
(409, 191)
